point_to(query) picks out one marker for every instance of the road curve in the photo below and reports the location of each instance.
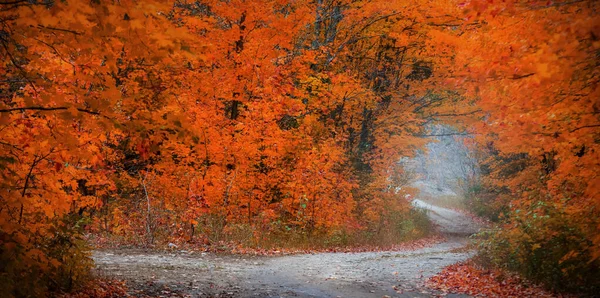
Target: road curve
(367, 274)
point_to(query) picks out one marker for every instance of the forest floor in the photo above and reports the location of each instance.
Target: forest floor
(365, 274)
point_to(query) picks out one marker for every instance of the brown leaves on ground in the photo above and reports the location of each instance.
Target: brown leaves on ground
(412, 245)
(233, 248)
(471, 279)
(100, 288)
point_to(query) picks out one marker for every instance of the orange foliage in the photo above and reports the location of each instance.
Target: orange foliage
(164, 118)
(467, 278)
(533, 69)
(152, 117)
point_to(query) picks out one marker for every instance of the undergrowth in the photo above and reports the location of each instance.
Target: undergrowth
(214, 233)
(546, 245)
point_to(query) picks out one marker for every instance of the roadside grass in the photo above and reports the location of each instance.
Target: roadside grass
(446, 201)
(211, 234)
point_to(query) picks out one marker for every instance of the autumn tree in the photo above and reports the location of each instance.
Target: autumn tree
(160, 120)
(376, 70)
(286, 119)
(64, 97)
(533, 68)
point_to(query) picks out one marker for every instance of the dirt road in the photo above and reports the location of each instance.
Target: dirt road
(368, 274)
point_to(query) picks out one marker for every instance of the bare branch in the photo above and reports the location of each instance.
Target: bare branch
(447, 135)
(585, 126)
(39, 108)
(60, 29)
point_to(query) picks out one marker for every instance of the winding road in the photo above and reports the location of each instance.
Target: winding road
(367, 274)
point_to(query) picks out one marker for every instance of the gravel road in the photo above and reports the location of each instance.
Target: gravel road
(367, 274)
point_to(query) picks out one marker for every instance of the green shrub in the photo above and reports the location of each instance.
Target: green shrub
(545, 245)
(485, 202)
(59, 263)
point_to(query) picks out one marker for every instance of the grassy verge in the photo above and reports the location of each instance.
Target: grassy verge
(211, 234)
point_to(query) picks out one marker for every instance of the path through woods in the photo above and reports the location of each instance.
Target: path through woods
(368, 274)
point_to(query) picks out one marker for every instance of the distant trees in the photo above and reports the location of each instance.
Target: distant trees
(447, 163)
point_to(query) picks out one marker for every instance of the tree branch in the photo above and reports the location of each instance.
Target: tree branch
(516, 77)
(447, 135)
(585, 126)
(10, 145)
(39, 108)
(60, 29)
(13, 2)
(456, 114)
